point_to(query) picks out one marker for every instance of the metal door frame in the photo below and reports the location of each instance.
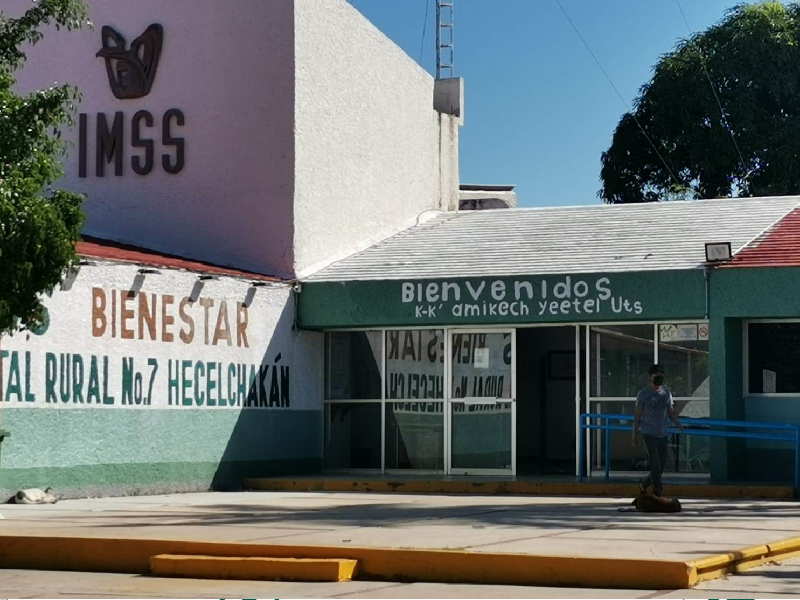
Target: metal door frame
(450, 401)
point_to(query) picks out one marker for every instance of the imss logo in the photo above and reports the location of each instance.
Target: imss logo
(131, 71)
(131, 74)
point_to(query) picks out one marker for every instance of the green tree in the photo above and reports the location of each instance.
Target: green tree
(39, 225)
(721, 115)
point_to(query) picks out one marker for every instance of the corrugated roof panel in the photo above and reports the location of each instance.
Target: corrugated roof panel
(779, 246)
(585, 239)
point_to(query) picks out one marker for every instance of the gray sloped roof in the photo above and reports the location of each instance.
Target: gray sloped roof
(580, 239)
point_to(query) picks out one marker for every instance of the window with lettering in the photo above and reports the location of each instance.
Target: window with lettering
(481, 365)
(415, 399)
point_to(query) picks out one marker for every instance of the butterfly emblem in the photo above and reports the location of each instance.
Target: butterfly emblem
(131, 71)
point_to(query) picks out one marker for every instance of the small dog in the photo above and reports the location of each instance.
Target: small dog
(655, 504)
(34, 496)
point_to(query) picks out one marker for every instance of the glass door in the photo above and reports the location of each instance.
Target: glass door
(482, 403)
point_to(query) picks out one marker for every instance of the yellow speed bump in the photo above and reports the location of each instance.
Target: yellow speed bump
(784, 549)
(254, 567)
(720, 565)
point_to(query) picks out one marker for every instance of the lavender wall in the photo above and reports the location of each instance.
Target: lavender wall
(229, 67)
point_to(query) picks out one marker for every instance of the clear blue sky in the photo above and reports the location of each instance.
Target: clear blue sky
(538, 110)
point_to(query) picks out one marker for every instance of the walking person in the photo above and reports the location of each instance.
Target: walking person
(653, 405)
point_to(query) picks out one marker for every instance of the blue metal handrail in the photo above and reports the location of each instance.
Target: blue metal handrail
(788, 433)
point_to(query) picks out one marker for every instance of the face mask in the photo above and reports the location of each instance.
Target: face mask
(658, 379)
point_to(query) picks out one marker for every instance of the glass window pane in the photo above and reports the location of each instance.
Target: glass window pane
(481, 365)
(623, 456)
(352, 365)
(353, 435)
(685, 359)
(619, 358)
(415, 371)
(482, 436)
(415, 364)
(774, 356)
(415, 435)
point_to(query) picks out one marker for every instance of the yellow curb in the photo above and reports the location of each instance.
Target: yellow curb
(544, 488)
(442, 566)
(738, 561)
(254, 568)
(115, 555)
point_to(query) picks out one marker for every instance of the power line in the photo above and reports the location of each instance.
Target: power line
(714, 91)
(624, 102)
(424, 28)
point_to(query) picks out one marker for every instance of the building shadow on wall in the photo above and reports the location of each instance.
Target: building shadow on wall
(271, 436)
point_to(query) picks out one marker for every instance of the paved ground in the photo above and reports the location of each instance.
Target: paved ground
(768, 582)
(537, 525)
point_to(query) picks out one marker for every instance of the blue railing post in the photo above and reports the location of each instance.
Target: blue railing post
(607, 433)
(582, 450)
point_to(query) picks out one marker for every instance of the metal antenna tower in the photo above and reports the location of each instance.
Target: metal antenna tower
(445, 40)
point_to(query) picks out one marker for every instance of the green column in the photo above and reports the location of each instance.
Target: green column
(727, 396)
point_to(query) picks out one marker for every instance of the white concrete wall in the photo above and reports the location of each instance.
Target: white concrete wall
(228, 66)
(309, 134)
(449, 175)
(367, 136)
(110, 399)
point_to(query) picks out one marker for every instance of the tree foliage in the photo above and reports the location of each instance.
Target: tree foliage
(39, 225)
(737, 81)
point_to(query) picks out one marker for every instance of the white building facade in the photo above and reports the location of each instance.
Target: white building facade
(264, 140)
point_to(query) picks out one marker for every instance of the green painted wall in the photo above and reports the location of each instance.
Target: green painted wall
(727, 401)
(737, 295)
(153, 451)
(527, 299)
(756, 293)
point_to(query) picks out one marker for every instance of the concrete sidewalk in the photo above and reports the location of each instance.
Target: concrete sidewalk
(590, 527)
